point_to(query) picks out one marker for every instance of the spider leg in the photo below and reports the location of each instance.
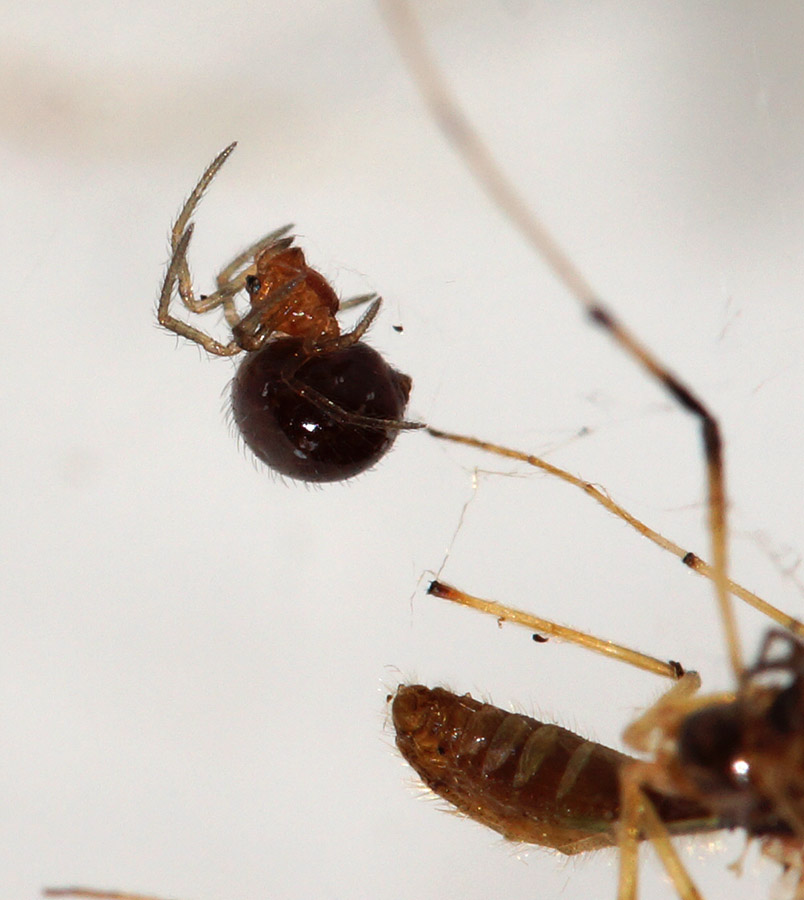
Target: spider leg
(173, 274)
(178, 273)
(359, 300)
(229, 274)
(94, 894)
(180, 225)
(342, 341)
(687, 557)
(344, 416)
(232, 277)
(230, 280)
(470, 145)
(356, 334)
(339, 343)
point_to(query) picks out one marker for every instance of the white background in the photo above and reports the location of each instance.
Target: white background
(195, 654)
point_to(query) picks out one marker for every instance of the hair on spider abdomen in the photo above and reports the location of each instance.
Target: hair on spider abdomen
(310, 402)
(313, 429)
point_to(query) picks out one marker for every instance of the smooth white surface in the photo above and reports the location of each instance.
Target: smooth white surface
(196, 655)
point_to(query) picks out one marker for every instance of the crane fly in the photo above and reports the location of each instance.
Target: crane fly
(728, 760)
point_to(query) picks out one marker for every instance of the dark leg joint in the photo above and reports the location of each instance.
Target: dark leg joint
(678, 669)
(712, 441)
(685, 397)
(601, 316)
(691, 560)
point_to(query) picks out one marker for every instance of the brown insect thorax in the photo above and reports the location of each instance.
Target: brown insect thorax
(745, 758)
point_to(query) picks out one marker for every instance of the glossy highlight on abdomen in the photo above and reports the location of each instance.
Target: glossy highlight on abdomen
(318, 417)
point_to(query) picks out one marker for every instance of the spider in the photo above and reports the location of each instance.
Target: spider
(311, 402)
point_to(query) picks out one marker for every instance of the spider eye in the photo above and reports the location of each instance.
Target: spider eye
(252, 284)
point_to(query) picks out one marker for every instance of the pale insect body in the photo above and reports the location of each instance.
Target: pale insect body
(765, 749)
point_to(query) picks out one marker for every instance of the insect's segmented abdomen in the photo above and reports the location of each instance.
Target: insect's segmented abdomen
(527, 780)
(530, 781)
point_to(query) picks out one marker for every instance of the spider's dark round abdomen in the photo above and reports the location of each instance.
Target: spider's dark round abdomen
(304, 438)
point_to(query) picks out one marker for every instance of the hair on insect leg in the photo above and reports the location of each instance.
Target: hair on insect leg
(718, 761)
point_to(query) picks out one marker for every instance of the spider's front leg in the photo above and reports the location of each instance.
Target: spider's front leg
(174, 274)
(233, 276)
(183, 224)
